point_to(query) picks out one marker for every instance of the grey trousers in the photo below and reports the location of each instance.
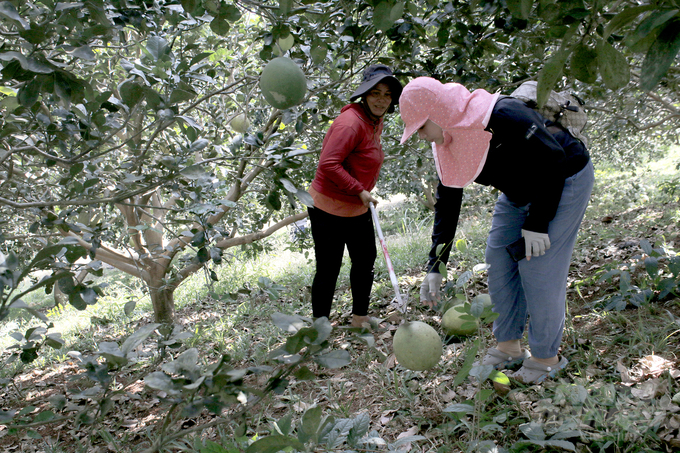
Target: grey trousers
(535, 290)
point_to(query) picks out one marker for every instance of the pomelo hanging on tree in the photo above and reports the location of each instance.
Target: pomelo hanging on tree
(240, 123)
(283, 83)
(417, 346)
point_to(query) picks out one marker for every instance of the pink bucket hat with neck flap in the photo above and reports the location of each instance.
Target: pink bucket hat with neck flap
(462, 115)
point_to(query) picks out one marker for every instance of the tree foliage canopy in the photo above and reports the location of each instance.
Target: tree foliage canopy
(115, 114)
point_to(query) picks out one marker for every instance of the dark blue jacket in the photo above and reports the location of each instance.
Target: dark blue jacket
(529, 158)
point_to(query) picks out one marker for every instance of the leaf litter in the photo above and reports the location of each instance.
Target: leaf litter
(615, 390)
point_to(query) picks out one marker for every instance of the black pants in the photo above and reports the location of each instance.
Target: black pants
(331, 233)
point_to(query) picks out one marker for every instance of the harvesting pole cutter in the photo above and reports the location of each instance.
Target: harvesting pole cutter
(399, 302)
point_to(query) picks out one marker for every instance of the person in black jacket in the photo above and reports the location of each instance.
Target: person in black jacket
(546, 178)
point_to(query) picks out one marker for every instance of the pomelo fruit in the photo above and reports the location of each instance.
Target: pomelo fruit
(485, 299)
(456, 322)
(283, 83)
(450, 304)
(240, 123)
(417, 346)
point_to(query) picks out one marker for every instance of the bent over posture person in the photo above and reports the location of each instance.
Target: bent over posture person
(349, 165)
(546, 178)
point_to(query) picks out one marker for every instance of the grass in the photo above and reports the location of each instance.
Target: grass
(617, 395)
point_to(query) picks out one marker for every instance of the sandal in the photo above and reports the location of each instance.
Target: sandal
(500, 360)
(533, 372)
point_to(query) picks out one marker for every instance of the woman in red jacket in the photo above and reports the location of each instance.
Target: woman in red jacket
(349, 165)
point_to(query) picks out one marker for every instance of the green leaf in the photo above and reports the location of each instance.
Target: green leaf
(57, 401)
(274, 444)
(461, 245)
(160, 381)
(131, 93)
(285, 7)
(361, 423)
(77, 301)
(583, 64)
(324, 329)
(9, 11)
(460, 408)
(612, 65)
(157, 47)
(137, 338)
(623, 18)
(442, 269)
(520, 8)
(190, 5)
(220, 26)
(304, 374)
(654, 20)
(185, 362)
(397, 11)
(203, 256)
(311, 421)
(287, 323)
(549, 75)
(30, 92)
(84, 53)
(199, 145)
(213, 447)
(470, 357)
(229, 12)
(179, 95)
(305, 198)
(44, 416)
(334, 359)
(652, 266)
(500, 377)
(382, 16)
(660, 56)
(318, 52)
(28, 64)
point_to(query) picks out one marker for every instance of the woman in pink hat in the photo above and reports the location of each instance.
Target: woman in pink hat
(545, 176)
(350, 161)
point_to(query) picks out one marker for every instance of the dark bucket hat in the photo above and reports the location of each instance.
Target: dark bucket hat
(375, 74)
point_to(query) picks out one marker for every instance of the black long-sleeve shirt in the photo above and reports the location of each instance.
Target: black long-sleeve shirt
(526, 161)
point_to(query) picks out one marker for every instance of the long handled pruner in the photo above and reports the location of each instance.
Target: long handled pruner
(398, 302)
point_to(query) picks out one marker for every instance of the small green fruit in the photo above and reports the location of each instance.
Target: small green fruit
(417, 346)
(240, 123)
(456, 322)
(283, 83)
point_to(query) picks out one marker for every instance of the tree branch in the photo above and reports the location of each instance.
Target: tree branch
(253, 237)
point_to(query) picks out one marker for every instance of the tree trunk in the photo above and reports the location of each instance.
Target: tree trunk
(163, 301)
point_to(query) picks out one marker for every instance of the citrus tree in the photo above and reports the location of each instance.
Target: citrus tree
(116, 131)
(116, 138)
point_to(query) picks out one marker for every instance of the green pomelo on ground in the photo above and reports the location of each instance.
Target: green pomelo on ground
(240, 123)
(451, 303)
(417, 346)
(485, 299)
(283, 83)
(455, 322)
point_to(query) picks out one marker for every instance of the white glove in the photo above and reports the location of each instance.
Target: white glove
(536, 243)
(429, 290)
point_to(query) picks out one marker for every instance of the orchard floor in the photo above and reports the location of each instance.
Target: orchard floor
(620, 392)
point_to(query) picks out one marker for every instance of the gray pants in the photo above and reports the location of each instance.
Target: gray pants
(535, 289)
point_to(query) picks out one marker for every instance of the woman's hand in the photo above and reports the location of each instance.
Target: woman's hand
(367, 198)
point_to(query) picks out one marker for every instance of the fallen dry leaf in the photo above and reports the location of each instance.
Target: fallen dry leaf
(654, 365)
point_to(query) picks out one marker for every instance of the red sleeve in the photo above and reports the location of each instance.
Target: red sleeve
(340, 141)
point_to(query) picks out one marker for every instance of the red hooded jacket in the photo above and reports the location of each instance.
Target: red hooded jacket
(351, 156)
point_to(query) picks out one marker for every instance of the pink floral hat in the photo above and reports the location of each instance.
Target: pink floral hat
(462, 115)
